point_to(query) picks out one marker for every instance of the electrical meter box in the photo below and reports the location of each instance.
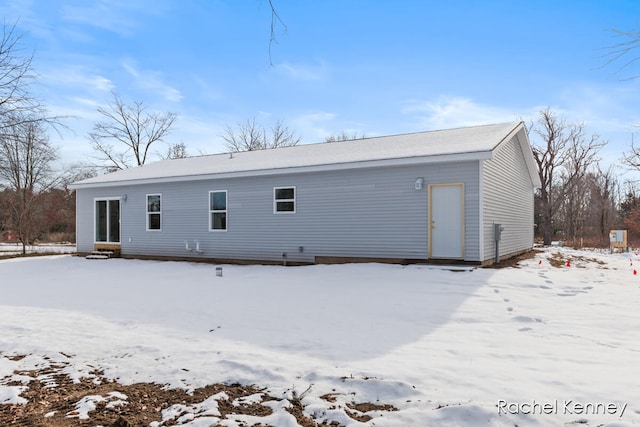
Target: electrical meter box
(498, 229)
(618, 240)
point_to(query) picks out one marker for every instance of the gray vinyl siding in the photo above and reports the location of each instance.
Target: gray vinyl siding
(84, 220)
(374, 213)
(472, 212)
(507, 200)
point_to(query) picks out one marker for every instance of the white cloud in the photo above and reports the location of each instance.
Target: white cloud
(78, 77)
(101, 83)
(303, 72)
(200, 134)
(451, 112)
(605, 108)
(313, 125)
(152, 81)
(117, 16)
(207, 89)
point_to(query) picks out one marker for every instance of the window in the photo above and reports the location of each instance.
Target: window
(107, 220)
(154, 212)
(218, 210)
(284, 200)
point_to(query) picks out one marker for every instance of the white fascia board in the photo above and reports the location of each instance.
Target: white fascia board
(527, 152)
(444, 158)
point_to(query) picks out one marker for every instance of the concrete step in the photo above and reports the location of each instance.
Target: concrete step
(101, 254)
(97, 256)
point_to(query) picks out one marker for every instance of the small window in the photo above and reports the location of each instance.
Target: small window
(218, 210)
(154, 212)
(284, 200)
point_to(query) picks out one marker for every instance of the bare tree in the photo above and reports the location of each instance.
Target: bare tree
(249, 136)
(26, 156)
(16, 75)
(26, 168)
(548, 158)
(177, 151)
(275, 20)
(625, 53)
(631, 158)
(582, 155)
(563, 156)
(343, 136)
(132, 129)
(77, 172)
(17, 105)
(602, 206)
(58, 215)
(622, 51)
(282, 136)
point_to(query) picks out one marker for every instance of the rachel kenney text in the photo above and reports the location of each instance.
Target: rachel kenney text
(566, 406)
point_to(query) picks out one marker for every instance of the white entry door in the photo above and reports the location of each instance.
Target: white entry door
(446, 217)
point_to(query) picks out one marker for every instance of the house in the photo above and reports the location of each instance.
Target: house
(462, 194)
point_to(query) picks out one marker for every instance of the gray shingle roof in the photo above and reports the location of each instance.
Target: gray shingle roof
(442, 145)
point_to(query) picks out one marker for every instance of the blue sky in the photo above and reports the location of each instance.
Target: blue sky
(371, 67)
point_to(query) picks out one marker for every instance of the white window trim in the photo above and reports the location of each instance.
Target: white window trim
(226, 212)
(294, 200)
(106, 199)
(146, 208)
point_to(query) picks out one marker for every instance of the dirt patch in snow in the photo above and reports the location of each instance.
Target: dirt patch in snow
(559, 260)
(515, 260)
(359, 410)
(54, 400)
(556, 259)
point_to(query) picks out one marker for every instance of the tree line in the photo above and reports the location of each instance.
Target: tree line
(28, 183)
(578, 201)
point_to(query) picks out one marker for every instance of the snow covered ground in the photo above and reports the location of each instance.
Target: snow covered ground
(531, 346)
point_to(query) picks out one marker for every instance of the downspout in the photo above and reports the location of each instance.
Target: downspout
(497, 232)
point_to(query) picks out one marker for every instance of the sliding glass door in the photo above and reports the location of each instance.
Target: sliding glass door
(107, 217)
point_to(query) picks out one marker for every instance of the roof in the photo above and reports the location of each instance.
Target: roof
(470, 143)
